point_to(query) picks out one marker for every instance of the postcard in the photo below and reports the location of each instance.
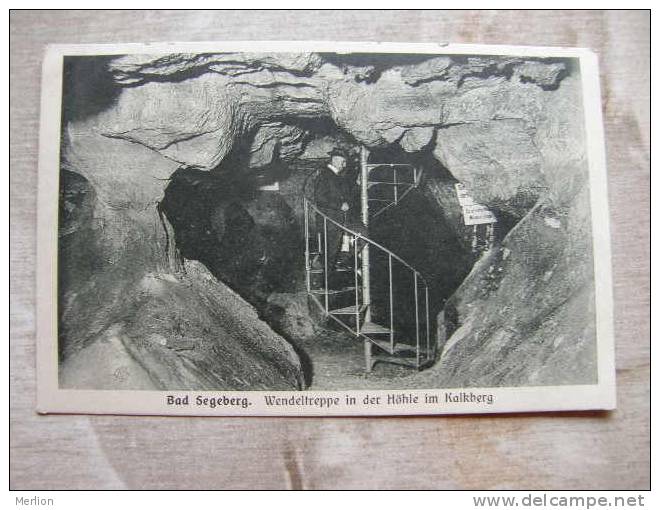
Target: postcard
(322, 229)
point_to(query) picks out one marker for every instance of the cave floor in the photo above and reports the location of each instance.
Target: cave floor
(337, 360)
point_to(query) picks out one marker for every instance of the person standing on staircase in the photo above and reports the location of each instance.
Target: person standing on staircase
(334, 192)
(331, 190)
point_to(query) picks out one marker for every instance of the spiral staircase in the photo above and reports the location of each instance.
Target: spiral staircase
(393, 322)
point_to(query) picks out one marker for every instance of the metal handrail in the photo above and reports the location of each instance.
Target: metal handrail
(395, 183)
(366, 239)
(376, 165)
(364, 306)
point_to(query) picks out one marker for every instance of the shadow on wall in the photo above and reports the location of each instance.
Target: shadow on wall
(88, 87)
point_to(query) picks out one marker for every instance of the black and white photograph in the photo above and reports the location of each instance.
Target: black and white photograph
(300, 228)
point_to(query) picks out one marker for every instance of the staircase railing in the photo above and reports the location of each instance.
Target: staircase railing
(394, 182)
(405, 338)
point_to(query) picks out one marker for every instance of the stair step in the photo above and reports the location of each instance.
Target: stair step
(376, 165)
(371, 328)
(333, 291)
(390, 344)
(406, 348)
(396, 360)
(347, 310)
(381, 344)
(339, 270)
(403, 350)
(400, 183)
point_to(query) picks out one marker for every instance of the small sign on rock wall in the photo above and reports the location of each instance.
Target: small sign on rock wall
(473, 213)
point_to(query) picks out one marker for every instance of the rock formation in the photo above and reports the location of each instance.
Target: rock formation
(505, 127)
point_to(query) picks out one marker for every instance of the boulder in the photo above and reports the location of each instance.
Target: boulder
(185, 332)
(132, 313)
(415, 139)
(507, 175)
(377, 114)
(193, 122)
(275, 141)
(526, 313)
(546, 75)
(526, 316)
(320, 148)
(429, 70)
(139, 69)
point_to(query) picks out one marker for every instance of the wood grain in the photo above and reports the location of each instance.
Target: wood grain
(543, 451)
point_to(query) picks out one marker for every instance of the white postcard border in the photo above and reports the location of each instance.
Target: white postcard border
(51, 399)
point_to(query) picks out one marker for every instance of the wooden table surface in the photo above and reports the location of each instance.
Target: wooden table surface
(543, 451)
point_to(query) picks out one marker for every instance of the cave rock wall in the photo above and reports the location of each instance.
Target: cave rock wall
(503, 126)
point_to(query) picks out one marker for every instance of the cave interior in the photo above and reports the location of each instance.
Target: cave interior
(246, 225)
(207, 159)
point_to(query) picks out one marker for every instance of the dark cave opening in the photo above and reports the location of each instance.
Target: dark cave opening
(421, 233)
(247, 238)
(253, 239)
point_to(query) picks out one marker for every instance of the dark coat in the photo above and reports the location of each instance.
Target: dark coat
(329, 191)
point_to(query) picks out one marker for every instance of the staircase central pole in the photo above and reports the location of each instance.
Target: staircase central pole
(366, 284)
